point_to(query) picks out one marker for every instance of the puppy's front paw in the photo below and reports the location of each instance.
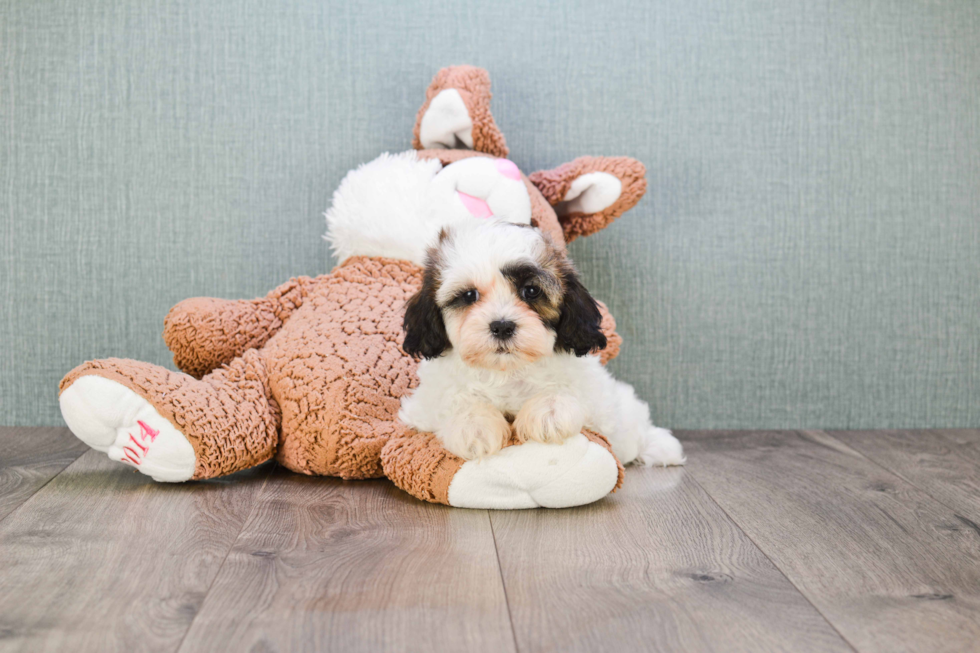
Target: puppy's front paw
(481, 432)
(549, 419)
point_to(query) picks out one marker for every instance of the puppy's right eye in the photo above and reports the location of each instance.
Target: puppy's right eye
(530, 292)
(470, 297)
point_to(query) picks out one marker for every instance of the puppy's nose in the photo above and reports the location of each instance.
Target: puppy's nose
(502, 329)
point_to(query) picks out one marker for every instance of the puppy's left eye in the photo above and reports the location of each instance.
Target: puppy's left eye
(530, 292)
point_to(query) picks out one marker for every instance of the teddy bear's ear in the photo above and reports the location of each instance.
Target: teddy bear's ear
(456, 114)
(591, 191)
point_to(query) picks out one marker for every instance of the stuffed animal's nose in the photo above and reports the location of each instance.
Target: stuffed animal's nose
(502, 329)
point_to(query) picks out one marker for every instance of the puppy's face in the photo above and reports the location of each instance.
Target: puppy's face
(501, 296)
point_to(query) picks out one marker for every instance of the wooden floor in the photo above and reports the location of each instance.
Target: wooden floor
(766, 541)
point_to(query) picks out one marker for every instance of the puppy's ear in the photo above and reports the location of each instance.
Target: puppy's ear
(425, 332)
(579, 325)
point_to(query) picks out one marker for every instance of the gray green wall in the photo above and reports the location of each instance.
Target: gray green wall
(807, 255)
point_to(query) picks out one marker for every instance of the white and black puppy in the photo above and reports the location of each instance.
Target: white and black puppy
(509, 334)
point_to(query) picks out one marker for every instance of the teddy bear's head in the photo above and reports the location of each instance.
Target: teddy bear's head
(576, 199)
(396, 205)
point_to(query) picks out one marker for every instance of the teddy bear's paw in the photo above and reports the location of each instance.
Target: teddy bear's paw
(573, 473)
(659, 448)
(111, 418)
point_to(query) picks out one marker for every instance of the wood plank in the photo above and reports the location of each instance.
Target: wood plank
(32, 456)
(943, 463)
(656, 566)
(102, 558)
(889, 566)
(329, 565)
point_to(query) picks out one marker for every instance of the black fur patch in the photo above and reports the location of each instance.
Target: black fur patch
(546, 304)
(425, 332)
(578, 326)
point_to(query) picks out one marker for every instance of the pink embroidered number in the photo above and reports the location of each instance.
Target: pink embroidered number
(135, 456)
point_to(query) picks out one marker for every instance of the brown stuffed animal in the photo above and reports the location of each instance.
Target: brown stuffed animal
(313, 373)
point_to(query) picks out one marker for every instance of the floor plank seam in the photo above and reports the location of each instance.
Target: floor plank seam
(231, 548)
(772, 562)
(503, 583)
(897, 474)
(44, 485)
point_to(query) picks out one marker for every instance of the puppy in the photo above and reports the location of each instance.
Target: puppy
(508, 334)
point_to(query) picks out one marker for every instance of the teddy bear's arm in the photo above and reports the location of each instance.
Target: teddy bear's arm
(613, 340)
(205, 333)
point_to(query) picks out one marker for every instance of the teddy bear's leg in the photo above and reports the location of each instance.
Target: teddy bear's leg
(581, 470)
(169, 425)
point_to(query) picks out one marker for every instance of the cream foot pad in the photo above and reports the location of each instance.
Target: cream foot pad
(533, 475)
(111, 418)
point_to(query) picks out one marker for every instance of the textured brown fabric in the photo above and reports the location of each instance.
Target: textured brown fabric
(554, 184)
(613, 340)
(338, 371)
(418, 464)
(543, 216)
(604, 443)
(204, 333)
(473, 85)
(331, 382)
(229, 417)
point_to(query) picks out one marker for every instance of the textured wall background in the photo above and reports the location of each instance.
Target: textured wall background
(808, 253)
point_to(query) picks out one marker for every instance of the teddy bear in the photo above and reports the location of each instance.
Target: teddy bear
(313, 373)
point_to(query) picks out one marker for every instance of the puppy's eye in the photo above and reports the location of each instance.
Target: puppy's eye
(530, 292)
(470, 297)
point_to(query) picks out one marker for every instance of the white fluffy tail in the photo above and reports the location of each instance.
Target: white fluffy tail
(659, 447)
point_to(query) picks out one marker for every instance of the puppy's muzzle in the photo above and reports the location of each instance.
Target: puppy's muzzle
(502, 330)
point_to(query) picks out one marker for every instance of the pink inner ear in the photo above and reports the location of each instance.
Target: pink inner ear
(476, 206)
